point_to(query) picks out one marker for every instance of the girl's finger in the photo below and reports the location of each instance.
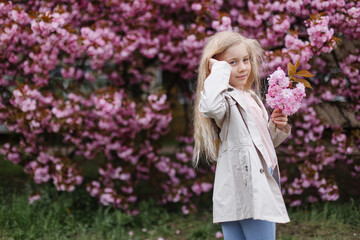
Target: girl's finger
(279, 116)
(279, 113)
(279, 119)
(278, 122)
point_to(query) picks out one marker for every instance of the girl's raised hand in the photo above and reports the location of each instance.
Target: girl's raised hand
(279, 119)
(211, 63)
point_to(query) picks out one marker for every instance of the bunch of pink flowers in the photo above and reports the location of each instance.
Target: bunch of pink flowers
(282, 95)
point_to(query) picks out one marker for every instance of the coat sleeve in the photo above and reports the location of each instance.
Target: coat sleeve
(277, 135)
(212, 102)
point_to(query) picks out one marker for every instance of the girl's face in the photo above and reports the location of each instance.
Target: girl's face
(239, 59)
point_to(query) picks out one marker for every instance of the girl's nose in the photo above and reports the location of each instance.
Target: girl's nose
(241, 67)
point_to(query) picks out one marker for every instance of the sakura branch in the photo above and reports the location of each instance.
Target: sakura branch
(282, 93)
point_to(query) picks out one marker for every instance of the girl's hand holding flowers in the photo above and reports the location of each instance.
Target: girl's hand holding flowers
(279, 119)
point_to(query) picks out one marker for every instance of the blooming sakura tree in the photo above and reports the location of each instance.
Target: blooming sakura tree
(76, 88)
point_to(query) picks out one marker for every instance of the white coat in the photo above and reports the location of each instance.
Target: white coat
(243, 187)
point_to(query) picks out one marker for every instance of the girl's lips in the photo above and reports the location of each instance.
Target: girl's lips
(244, 76)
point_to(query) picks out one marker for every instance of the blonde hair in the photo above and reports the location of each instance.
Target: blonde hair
(205, 130)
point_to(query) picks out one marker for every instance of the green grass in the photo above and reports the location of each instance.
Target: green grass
(323, 222)
(62, 215)
(77, 216)
(66, 218)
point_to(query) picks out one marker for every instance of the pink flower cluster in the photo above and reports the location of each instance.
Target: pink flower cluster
(281, 96)
(111, 123)
(319, 34)
(225, 24)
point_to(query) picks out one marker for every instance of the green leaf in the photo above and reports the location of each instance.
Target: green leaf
(304, 73)
(303, 81)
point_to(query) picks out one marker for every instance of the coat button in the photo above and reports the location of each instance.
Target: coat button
(261, 170)
(246, 168)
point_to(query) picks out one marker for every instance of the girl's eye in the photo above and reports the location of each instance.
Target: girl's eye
(232, 62)
(246, 59)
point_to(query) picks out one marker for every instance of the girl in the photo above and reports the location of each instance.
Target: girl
(231, 126)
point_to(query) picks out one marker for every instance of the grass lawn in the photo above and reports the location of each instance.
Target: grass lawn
(76, 215)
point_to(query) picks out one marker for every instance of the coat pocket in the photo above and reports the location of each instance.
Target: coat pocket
(241, 167)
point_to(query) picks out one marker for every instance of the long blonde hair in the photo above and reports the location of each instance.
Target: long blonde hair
(205, 130)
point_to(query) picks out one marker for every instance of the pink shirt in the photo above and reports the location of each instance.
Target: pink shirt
(260, 121)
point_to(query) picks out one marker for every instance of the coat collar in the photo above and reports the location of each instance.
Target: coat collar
(239, 98)
(242, 105)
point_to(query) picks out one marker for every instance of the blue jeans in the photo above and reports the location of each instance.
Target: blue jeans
(249, 229)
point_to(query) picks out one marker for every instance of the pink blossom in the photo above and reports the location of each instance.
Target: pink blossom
(182, 157)
(312, 199)
(196, 7)
(127, 190)
(132, 199)
(279, 78)
(34, 198)
(319, 33)
(124, 176)
(280, 25)
(14, 157)
(106, 199)
(41, 175)
(224, 24)
(28, 105)
(295, 203)
(196, 188)
(354, 12)
(206, 187)
(218, 235)
(185, 210)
